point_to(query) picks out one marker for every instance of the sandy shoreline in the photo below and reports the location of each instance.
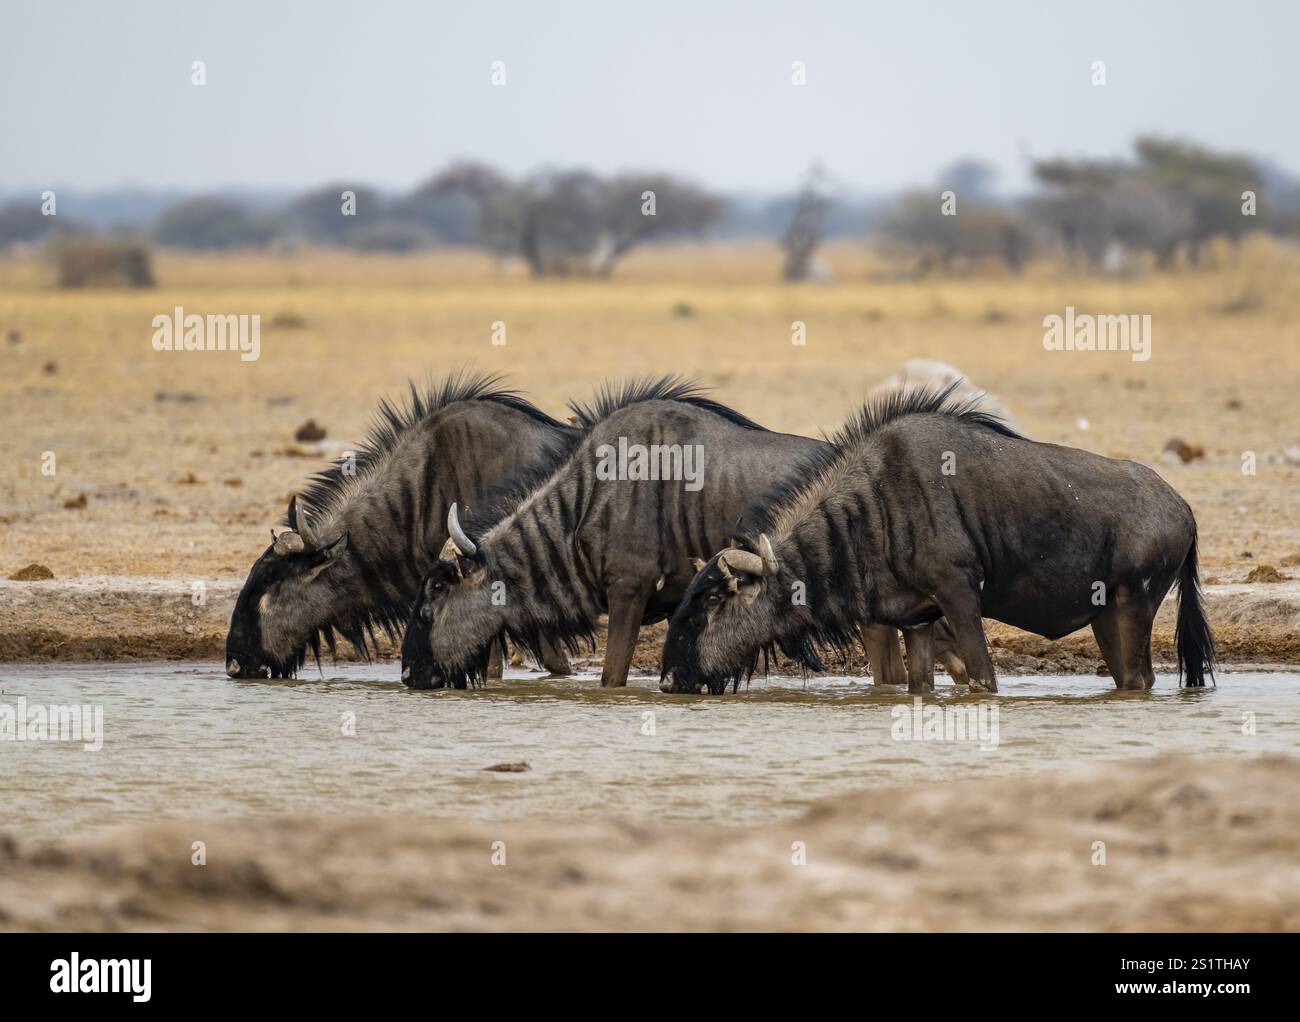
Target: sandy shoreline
(138, 618)
(1189, 845)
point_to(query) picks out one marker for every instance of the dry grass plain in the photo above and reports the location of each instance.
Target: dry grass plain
(185, 459)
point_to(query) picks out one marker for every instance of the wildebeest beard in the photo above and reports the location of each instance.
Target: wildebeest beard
(459, 657)
(734, 648)
(711, 651)
(358, 631)
(798, 649)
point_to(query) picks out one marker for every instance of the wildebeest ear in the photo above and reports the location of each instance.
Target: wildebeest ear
(332, 550)
(698, 564)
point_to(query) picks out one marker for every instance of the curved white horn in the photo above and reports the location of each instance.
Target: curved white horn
(306, 530)
(765, 551)
(463, 543)
(742, 560)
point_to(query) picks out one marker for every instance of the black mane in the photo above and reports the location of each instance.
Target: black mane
(874, 415)
(392, 420)
(503, 498)
(896, 404)
(612, 398)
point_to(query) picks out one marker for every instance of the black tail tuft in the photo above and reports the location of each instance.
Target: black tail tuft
(1192, 635)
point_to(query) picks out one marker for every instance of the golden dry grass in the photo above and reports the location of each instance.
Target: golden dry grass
(1223, 375)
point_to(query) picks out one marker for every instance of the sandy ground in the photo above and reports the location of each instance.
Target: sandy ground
(1190, 846)
(124, 461)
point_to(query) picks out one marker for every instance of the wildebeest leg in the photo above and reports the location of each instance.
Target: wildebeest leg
(1148, 670)
(953, 665)
(1135, 617)
(553, 660)
(962, 609)
(494, 671)
(947, 655)
(626, 609)
(920, 658)
(883, 659)
(1105, 629)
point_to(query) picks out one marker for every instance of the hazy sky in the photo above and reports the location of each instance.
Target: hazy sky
(98, 94)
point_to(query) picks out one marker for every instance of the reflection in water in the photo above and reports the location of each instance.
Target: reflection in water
(184, 740)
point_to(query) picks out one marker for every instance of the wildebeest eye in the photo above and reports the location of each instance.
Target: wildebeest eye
(713, 599)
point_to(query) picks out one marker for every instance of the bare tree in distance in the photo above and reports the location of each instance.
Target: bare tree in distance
(1173, 198)
(468, 203)
(805, 232)
(318, 215)
(979, 229)
(575, 223)
(211, 222)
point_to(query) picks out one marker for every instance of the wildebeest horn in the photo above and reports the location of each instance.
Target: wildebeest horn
(288, 543)
(301, 524)
(464, 544)
(765, 551)
(742, 560)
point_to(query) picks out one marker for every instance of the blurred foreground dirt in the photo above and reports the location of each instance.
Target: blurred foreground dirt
(1188, 845)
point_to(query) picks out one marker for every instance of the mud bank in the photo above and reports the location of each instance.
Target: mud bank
(1189, 845)
(136, 618)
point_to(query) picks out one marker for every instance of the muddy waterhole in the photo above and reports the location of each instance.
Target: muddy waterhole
(184, 740)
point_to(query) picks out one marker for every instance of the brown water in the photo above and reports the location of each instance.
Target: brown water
(183, 740)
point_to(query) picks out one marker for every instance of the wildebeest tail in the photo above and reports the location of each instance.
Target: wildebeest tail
(1192, 635)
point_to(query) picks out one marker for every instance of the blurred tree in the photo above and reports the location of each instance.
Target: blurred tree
(318, 216)
(680, 209)
(970, 178)
(211, 223)
(23, 221)
(576, 223)
(1174, 197)
(977, 232)
(455, 204)
(803, 235)
(1207, 183)
(1096, 210)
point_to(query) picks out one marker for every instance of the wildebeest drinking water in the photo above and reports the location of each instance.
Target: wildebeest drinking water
(926, 506)
(660, 477)
(367, 528)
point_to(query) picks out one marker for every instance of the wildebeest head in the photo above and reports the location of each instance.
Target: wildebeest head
(722, 624)
(455, 618)
(283, 605)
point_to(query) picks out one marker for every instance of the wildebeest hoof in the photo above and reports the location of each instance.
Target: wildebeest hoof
(976, 685)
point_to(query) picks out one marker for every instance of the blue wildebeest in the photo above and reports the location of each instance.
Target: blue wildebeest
(923, 506)
(659, 478)
(365, 530)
